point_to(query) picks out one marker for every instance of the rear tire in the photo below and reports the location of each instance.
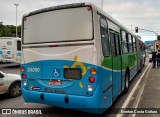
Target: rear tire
(15, 90)
(126, 86)
(141, 66)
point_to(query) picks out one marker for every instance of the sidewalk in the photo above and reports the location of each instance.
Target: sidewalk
(151, 95)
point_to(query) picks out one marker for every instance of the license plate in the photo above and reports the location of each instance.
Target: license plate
(8, 57)
(55, 82)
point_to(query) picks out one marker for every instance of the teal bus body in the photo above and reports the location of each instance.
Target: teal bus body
(82, 99)
(85, 74)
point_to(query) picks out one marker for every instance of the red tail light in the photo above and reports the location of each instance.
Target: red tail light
(89, 8)
(91, 79)
(53, 45)
(23, 75)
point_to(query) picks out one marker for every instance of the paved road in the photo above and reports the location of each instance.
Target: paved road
(7, 102)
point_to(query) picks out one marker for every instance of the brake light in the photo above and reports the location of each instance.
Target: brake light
(23, 75)
(89, 8)
(22, 69)
(53, 45)
(91, 79)
(93, 71)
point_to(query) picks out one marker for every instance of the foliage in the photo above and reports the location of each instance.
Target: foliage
(9, 31)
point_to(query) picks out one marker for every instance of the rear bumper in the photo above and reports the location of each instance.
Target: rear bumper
(7, 60)
(82, 103)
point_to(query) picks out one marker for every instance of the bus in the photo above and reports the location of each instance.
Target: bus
(76, 56)
(10, 49)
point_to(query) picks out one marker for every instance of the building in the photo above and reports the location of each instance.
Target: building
(150, 45)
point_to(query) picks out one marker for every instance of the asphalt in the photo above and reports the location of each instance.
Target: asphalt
(150, 97)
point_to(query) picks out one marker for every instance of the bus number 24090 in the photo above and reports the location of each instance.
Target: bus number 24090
(33, 70)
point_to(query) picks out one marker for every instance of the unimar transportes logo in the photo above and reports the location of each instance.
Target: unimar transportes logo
(21, 111)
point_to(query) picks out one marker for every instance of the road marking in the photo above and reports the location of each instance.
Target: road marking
(132, 92)
(141, 92)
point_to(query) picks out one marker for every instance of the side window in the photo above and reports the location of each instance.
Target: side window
(113, 44)
(117, 44)
(130, 43)
(104, 37)
(140, 46)
(137, 44)
(19, 45)
(124, 42)
(144, 48)
(134, 44)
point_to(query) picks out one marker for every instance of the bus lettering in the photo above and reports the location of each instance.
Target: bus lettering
(33, 69)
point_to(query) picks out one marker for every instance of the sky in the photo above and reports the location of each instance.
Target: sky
(144, 14)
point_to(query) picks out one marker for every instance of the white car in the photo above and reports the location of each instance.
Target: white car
(10, 83)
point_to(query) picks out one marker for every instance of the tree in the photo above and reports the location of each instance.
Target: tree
(9, 31)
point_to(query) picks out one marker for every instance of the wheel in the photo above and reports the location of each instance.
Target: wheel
(15, 90)
(141, 66)
(126, 86)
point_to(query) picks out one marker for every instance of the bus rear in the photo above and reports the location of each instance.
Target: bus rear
(59, 62)
(6, 49)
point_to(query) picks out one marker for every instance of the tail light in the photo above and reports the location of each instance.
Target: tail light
(89, 8)
(91, 79)
(22, 69)
(93, 71)
(23, 75)
(53, 45)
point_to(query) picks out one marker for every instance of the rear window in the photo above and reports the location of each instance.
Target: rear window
(19, 45)
(73, 24)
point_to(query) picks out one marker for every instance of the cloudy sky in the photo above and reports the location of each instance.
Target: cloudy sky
(131, 13)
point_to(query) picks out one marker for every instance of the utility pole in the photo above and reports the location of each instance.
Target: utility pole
(131, 27)
(16, 17)
(102, 4)
(1, 24)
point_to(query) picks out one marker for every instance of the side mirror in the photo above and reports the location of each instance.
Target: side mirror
(1, 75)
